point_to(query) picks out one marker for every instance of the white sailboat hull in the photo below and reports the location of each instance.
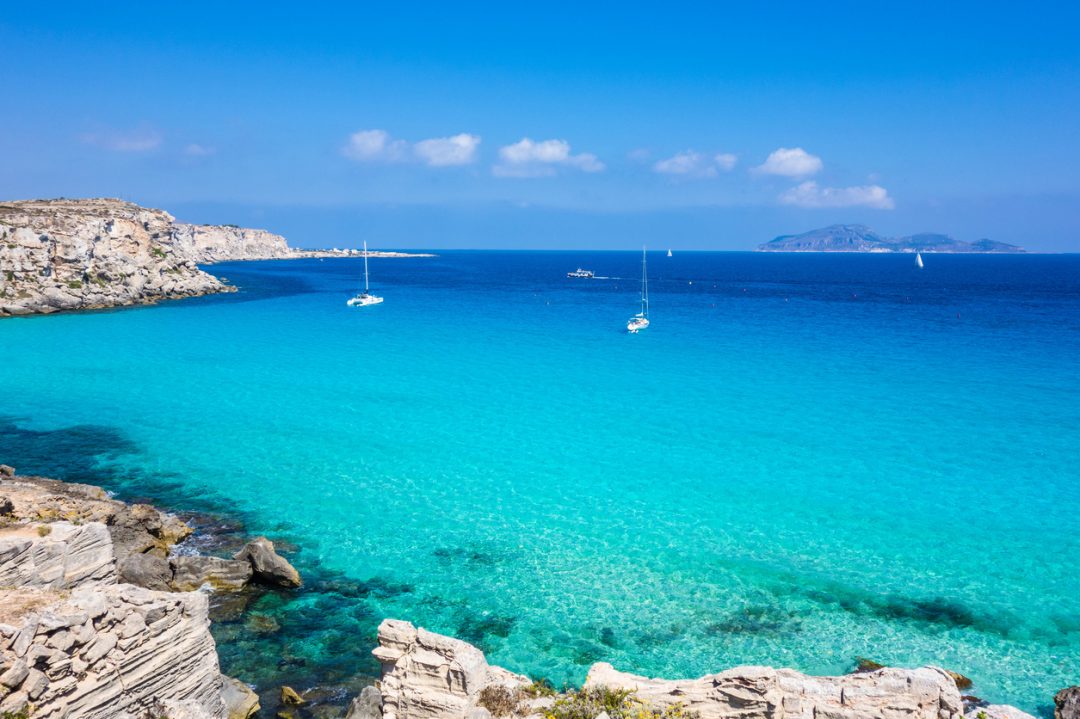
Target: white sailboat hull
(365, 298)
(636, 324)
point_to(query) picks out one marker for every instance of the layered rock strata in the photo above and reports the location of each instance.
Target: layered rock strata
(99, 652)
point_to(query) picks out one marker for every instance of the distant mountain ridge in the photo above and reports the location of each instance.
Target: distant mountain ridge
(860, 238)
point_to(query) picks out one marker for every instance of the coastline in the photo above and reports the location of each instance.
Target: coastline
(129, 555)
(91, 254)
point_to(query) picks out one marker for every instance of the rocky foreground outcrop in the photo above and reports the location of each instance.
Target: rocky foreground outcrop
(91, 620)
(430, 676)
(101, 652)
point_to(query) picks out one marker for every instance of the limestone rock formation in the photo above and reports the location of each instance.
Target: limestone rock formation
(146, 570)
(430, 676)
(192, 572)
(97, 652)
(240, 701)
(80, 254)
(60, 555)
(205, 244)
(1067, 703)
(983, 710)
(767, 693)
(269, 567)
(135, 528)
(368, 705)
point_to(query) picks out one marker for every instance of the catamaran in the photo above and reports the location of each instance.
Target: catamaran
(641, 320)
(365, 298)
(918, 260)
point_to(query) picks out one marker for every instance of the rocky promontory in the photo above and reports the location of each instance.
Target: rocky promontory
(58, 255)
(85, 254)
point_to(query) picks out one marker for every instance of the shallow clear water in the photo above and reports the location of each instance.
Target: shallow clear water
(805, 459)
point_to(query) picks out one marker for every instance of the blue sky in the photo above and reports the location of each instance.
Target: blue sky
(557, 124)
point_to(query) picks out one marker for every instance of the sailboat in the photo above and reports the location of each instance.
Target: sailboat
(641, 320)
(365, 298)
(669, 253)
(918, 260)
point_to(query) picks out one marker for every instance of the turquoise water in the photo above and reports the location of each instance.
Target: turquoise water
(805, 459)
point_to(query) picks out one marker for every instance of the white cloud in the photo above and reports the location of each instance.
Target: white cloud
(374, 146)
(808, 194)
(134, 141)
(790, 162)
(695, 164)
(726, 161)
(444, 151)
(197, 150)
(527, 158)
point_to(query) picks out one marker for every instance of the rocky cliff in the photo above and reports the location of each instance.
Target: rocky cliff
(86, 254)
(205, 244)
(83, 254)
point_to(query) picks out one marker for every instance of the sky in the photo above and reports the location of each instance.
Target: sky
(554, 125)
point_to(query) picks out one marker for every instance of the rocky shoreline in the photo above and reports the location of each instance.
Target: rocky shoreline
(105, 612)
(63, 255)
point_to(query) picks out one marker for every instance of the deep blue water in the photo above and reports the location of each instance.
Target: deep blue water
(806, 458)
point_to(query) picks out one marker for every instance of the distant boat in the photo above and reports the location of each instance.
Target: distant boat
(918, 260)
(669, 253)
(586, 274)
(365, 298)
(641, 320)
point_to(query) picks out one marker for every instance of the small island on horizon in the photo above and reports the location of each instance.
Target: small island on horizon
(860, 238)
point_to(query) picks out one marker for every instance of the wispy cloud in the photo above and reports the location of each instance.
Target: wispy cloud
(726, 161)
(808, 194)
(527, 158)
(197, 150)
(790, 162)
(131, 141)
(374, 146)
(695, 164)
(380, 146)
(445, 151)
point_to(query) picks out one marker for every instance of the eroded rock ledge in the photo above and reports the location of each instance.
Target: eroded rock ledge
(82, 635)
(430, 676)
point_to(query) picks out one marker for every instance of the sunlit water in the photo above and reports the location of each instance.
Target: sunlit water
(803, 460)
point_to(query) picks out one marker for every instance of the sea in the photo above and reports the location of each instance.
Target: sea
(805, 460)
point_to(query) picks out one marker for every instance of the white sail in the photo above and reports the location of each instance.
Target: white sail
(918, 260)
(669, 253)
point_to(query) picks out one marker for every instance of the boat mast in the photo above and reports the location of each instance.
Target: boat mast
(644, 286)
(365, 268)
